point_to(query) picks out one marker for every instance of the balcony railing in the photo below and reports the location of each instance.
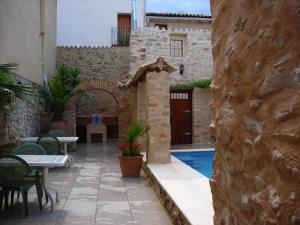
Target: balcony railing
(120, 36)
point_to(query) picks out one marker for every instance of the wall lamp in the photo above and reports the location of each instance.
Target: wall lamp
(181, 68)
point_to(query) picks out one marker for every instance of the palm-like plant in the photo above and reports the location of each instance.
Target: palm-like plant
(60, 90)
(10, 91)
(130, 148)
(69, 76)
(56, 97)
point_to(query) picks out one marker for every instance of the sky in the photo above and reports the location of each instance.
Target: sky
(187, 6)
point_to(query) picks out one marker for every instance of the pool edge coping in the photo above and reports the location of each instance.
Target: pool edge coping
(170, 195)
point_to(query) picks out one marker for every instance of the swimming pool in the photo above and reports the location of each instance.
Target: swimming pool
(202, 161)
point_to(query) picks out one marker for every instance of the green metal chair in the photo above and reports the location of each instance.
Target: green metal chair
(57, 133)
(51, 144)
(30, 149)
(13, 173)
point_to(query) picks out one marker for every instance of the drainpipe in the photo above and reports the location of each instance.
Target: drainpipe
(42, 36)
(145, 11)
(134, 16)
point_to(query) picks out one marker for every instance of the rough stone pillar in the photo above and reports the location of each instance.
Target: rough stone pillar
(141, 112)
(256, 103)
(158, 116)
(201, 116)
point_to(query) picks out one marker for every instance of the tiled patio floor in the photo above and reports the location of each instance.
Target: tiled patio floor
(93, 192)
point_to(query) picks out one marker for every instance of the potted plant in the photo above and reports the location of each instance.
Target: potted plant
(131, 159)
(58, 93)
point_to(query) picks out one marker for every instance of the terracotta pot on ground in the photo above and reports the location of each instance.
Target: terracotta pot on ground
(131, 165)
(58, 125)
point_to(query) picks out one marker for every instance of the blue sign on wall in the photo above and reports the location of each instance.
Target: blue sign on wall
(96, 119)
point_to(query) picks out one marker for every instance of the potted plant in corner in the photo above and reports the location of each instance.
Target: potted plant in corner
(58, 93)
(131, 159)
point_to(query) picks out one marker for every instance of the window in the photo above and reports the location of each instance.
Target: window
(176, 48)
(161, 26)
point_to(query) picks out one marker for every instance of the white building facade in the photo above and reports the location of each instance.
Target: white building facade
(98, 23)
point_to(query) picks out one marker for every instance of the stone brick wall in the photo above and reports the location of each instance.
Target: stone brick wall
(24, 121)
(202, 116)
(96, 63)
(181, 24)
(256, 103)
(150, 43)
(97, 102)
(158, 117)
(124, 97)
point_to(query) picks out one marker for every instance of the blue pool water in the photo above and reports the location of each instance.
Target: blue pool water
(200, 161)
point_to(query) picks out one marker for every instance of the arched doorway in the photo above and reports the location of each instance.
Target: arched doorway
(123, 97)
(96, 104)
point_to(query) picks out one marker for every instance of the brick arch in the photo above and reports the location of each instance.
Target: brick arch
(121, 95)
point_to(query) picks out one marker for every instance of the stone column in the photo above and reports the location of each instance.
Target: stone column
(141, 112)
(201, 116)
(157, 90)
(256, 103)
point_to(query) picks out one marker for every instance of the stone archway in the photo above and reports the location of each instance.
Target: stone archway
(122, 96)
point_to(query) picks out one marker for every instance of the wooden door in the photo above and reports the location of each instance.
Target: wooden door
(123, 30)
(181, 116)
(124, 21)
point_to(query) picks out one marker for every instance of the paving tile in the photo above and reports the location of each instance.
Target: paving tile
(115, 223)
(142, 205)
(111, 184)
(81, 211)
(84, 192)
(93, 192)
(104, 206)
(140, 216)
(87, 180)
(110, 195)
(154, 222)
(89, 173)
(114, 216)
(142, 196)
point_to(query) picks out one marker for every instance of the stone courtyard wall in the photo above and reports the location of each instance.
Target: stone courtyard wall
(202, 116)
(151, 43)
(256, 103)
(97, 102)
(24, 121)
(96, 64)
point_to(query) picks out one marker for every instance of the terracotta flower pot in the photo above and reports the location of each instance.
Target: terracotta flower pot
(131, 165)
(58, 125)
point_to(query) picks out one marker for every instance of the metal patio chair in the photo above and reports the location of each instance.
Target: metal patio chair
(13, 173)
(57, 133)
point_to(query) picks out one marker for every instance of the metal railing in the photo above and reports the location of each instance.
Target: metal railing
(120, 36)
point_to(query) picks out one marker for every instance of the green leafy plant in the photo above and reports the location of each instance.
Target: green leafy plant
(195, 84)
(10, 90)
(60, 90)
(69, 76)
(129, 147)
(56, 97)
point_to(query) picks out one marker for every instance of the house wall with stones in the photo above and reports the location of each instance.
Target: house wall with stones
(24, 121)
(256, 103)
(202, 116)
(150, 43)
(97, 102)
(181, 24)
(96, 64)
